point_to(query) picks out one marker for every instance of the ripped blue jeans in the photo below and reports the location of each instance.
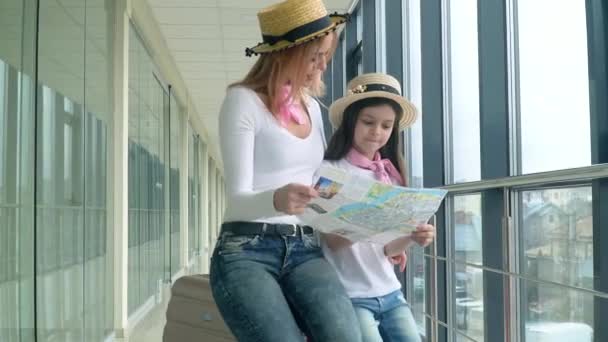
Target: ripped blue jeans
(275, 288)
(386, 319)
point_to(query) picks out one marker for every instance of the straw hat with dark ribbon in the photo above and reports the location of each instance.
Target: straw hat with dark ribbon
(292, 23)
(373, 85)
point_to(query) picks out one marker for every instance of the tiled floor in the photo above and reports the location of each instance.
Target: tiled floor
(151, 328)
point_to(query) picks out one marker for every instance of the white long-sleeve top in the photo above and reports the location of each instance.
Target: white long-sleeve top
(261, 156)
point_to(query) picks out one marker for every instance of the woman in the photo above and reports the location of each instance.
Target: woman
(268, 275)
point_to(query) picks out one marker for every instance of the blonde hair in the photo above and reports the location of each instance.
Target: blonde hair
(271, 71)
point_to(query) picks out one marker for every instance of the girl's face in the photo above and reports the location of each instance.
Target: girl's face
(317, 61)
(373, 129)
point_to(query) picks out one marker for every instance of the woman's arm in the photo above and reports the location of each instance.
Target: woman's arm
(237, 129)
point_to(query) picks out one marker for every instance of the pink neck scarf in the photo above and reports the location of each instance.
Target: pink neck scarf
(288, 110)
(383, 168)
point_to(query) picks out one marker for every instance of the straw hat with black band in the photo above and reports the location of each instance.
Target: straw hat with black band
(294, 22)
(373, 85)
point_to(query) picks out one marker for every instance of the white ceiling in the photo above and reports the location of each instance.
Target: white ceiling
(207, 39)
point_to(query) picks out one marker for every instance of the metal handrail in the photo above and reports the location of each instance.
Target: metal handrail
(551, 177)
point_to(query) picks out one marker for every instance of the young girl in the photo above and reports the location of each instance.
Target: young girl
(369, 120)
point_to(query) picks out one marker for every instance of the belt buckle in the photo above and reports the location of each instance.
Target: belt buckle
(288, 232)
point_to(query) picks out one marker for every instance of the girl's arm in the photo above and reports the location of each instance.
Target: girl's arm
(397, 246)
(423, 236)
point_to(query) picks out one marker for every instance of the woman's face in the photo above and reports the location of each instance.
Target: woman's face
(317, 61)
(373, 129)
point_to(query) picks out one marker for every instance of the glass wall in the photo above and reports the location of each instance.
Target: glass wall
(556, 240)
(412, 89)
(463, 91)
(552, 85)
(212, 203)
(73, 266)
(468, 298)
(176, 112)
(17, 155)
(193, 194)
(147, 168)
(518, 255)
(504, 95)
(56, 260)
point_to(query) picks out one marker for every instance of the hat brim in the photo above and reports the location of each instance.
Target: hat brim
(264, 48)
(336, 110)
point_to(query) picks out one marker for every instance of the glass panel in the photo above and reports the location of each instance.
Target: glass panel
(556, 228)
(462, 338)
(211, 196)
(547, 75)
(414, 81)
(60, 179)
(17, 95)
(416, 268)
(98, 267)
(134, 170)
(197, 194)
(174, 143)
(147, 162)
(467, 229)
(469, 301)
(191, 200)
(464, 90)
(133, 255)
(166, 177)
(218, 199)
(556, 314)
(468, 281)
(160, 207)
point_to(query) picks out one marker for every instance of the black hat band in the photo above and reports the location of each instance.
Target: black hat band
(300, 31)
(364, 88)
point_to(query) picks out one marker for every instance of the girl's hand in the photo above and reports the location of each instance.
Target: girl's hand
(400, 260)
(424, 234)
(293, 198)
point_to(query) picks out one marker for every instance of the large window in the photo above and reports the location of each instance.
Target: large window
(175, 134)
(148, 164)
(193, 194)
(463, 96)
(556, 244)
(73, 266)
(17, 119)
(553, 85)
(512, 123)
(416, 268)
(468, 298)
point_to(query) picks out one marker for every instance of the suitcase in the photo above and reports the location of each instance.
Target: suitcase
(192, 314)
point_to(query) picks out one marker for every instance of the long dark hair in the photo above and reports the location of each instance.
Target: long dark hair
(342, 140)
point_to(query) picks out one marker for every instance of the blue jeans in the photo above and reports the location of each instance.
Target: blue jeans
(270, 288)
(387, 318)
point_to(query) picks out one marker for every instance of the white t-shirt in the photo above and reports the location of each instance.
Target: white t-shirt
(362, 267)
(261, 156)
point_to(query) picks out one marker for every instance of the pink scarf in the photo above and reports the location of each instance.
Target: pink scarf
(288, 110)
(383, 168)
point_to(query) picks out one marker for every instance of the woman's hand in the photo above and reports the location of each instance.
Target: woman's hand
(424, 234)
(293, 198)
(400, 260)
